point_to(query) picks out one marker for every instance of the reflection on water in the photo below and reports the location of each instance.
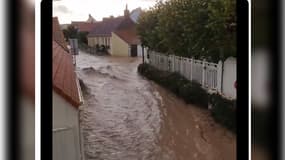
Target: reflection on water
(127, 117)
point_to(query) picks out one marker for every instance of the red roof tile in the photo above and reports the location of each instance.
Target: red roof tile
(106, 27)
(84, 26)
(127, 31)
(57, 34)
(64, 78)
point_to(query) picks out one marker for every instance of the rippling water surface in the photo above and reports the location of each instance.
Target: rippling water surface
(126, 117)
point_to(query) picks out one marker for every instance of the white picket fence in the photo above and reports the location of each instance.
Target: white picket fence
(208, 74)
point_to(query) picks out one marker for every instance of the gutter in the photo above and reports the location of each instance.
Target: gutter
(82, 153)
(81, 100)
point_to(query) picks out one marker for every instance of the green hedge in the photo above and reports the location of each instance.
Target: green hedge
(223, 110)
(261, 126)
(190, 92)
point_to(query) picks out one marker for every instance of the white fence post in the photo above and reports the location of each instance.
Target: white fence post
(203, 72)
(208, 74)
(191, 69)
(181, 65)
(219, 76)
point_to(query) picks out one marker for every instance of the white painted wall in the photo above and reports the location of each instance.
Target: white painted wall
(66, 144)
(229, 78)
(119, 47)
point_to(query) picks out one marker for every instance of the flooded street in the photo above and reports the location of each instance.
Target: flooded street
(127, 117)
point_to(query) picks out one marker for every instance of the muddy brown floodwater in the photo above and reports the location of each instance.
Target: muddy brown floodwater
(127, 117)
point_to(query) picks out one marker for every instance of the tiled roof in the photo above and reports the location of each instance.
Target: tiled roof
(57, 34)
(127, 31)
(84, 26)
(106, 27)
(64, 78)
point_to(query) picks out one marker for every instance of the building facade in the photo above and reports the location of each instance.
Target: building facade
(67, 98)
(117, 34)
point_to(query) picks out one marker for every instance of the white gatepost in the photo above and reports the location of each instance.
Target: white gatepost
(191, 68)
(203, 72)
(173, 63)
(169, 63)
(219, 76)
(181, 65)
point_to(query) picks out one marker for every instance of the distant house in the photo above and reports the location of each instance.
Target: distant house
(64, 26)
(67, 98)
(118, 34)
(102, 32)
(124, 40)
(57, 33)
(85, 26)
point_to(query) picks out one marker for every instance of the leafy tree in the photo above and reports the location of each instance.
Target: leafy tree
(191, 28)
(82, 37)
(70, 32)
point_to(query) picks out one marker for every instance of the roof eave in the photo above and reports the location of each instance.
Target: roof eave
(74, 103)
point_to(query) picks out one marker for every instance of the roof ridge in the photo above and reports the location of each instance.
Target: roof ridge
(121, 37)
(61, 45)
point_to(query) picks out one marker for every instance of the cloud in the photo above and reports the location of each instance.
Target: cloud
(148, 0)
(62, 9)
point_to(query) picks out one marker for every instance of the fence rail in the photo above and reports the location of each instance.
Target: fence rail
(208, 74)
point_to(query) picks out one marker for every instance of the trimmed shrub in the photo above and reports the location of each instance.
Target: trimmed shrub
(192, 92)
(223, 111)
(260, 128)
(175, 81)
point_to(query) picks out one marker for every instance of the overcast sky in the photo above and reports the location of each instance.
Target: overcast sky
(78, 10)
